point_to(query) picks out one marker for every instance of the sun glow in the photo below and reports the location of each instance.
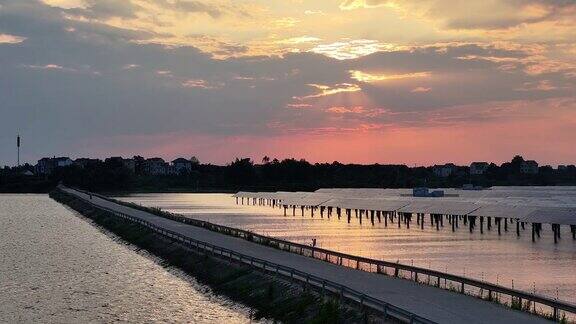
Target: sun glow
(369, 77)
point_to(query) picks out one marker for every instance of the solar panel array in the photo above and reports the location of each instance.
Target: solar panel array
(552, 205)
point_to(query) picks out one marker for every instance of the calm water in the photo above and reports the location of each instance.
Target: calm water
(507, 260)
(57, 267)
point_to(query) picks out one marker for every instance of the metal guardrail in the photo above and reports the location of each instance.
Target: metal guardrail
(326, 286)
(357, 261)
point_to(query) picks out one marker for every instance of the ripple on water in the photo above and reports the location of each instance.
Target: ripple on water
(548, 267)
(57, 267)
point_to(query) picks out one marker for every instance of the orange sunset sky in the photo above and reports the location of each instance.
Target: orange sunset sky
(414, 81)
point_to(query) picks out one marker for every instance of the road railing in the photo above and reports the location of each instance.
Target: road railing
(518, 299)
(292, 274)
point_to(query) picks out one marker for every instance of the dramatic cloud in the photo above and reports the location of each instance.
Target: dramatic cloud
(167, 77)
(462, 14)
(368, 77)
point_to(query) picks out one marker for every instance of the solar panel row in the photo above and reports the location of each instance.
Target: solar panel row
(552, 205)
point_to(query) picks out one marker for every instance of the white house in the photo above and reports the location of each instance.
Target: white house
(47, 165)
(61, 162)
(155, 166)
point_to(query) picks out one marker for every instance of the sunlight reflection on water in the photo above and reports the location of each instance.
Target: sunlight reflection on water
(58, 268)
(547, 267)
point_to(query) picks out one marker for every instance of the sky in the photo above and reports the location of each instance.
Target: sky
(417, 82)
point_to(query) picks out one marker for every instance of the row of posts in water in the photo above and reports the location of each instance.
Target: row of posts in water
(406, 218)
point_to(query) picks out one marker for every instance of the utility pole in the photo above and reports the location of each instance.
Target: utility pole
(18, 145)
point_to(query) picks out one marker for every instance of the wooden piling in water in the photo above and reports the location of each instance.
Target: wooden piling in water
(385, 219)
(556, 234)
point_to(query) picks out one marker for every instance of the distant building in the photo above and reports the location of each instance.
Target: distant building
(425, 192)
(155, 166)
(445, 170)
(420, 192)
(529, 167)
(478, 168)
(85, 162)
(118, 161)
(61, 162)
(46, 166)
(182, 165)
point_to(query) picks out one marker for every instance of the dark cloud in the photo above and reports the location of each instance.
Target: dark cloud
(102, 9)
(93, 95)
(193, 6)
(506, 14)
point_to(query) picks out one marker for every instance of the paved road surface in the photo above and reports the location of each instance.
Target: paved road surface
(435, 304)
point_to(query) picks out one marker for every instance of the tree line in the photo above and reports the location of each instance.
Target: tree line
(279, 175)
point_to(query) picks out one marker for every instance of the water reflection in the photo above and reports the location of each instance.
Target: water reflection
(506, 259)
(57, 267)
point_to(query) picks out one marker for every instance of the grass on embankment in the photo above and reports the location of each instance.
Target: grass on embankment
(270, 297)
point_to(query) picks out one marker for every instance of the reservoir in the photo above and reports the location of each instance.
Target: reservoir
(542, 266)
(58, 267)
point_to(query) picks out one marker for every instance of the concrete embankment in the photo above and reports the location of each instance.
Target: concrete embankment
(428, 302)
(271, 297)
